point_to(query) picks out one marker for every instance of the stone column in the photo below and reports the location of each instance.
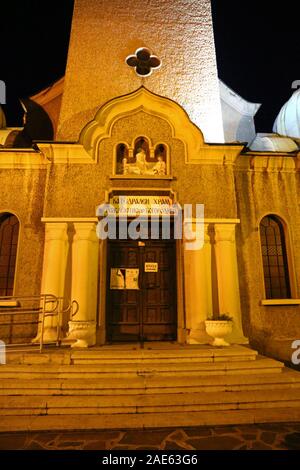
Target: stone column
(198, 290)
(54, 271)
(228, 282)
(85, 249)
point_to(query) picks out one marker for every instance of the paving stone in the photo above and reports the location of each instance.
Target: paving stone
(170, 445)
(144, 437)
(273, 427)
(265, 437)
(51, 444)
(12, 441)
(178, 435)
(292, 440)
(147, 448)
(96, 445)
(260, 446)
(224, 430)
(294, 427)
(198, 432)
(249, 437)
(281, 445)
(216, 443)
(123, 448)
(268, 437)
(249, 428)
(70, 444)
(91, 435)
(44, 437)
(35, 446)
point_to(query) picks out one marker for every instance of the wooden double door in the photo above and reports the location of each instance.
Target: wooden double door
(141, 286)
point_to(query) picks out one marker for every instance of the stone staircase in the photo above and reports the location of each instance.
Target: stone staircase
(133, 387)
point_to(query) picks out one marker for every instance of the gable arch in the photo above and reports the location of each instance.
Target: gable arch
(142, 99)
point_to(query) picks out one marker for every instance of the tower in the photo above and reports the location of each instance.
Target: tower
(104, 33)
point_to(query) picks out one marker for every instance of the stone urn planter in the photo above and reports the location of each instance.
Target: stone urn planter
(218, 328)
(84, 332)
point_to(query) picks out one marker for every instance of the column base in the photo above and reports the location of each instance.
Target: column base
(237, 338)
(49, 336)
(198, 335)
(100, 335)
(219, 342)
(181, 335)
(84, 332)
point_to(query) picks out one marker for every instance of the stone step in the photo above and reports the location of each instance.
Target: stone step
(160, 385)
(149, 420)
(192, 354)
(112, 355)
(157, 403)
(260, 366)
(288, 379)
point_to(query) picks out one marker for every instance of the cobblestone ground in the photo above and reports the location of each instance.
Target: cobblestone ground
(245, 437)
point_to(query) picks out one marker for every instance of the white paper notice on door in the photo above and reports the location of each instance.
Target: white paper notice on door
(124, 278)
(132, 278)
(117, 278)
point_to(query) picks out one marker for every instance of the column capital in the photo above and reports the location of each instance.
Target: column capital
(224, 232)
(56, 231)
(85, 231)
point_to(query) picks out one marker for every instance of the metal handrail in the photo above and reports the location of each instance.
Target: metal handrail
(75, 306)
(43, 305)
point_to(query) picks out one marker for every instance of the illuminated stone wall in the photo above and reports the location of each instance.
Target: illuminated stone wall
(268, 184)
(247, 189)
(104, 33)
(212, 185)
(22, 193)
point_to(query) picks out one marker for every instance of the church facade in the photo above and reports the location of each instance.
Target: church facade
(141, 120)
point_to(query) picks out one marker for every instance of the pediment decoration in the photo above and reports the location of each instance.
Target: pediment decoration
(142, 99)
(196, 150)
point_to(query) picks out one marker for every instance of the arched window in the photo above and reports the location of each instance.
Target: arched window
(9, 232)
(122, 157)
(141, 144)
(161, 151)
(275, 263)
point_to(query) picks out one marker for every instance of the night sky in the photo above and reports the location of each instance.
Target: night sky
(257, 43)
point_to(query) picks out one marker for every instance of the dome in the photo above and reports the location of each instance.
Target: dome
(288, 120)
(273, 143)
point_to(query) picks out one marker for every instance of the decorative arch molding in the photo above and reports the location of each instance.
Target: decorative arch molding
(142, 99)
(196, 150)
(277, 214)
(5, 210)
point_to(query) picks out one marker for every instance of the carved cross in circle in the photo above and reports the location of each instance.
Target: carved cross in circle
(143, 62)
